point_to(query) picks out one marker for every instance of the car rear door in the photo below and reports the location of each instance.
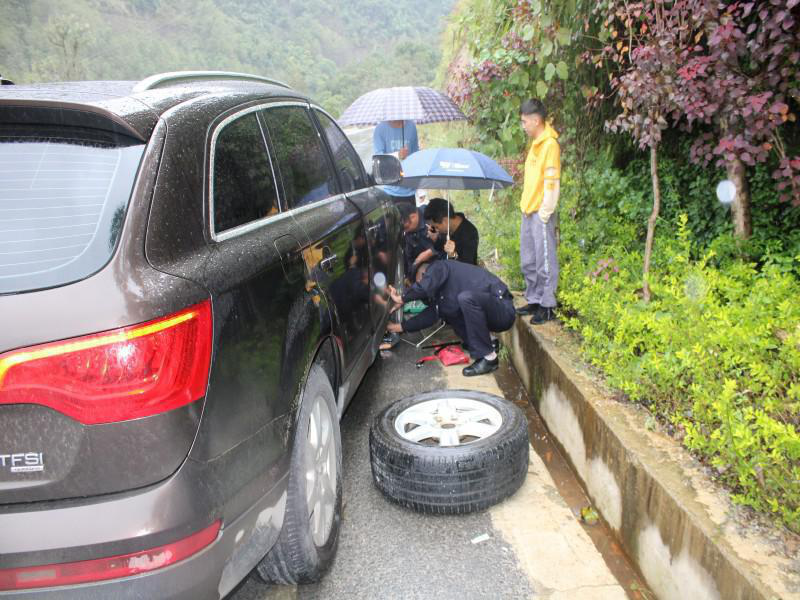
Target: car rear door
(255, 274)
(377, 211)
(337, 253)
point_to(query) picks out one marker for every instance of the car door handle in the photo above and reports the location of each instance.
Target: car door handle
(326, 264)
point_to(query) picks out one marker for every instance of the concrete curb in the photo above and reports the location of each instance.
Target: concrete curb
(669, 517)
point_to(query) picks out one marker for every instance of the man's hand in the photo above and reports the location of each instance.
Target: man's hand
(394, 295)
(402, 153)
(450, 248)
(393, 327)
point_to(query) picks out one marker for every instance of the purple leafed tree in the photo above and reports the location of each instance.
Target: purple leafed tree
(645, 44)
(739, 77)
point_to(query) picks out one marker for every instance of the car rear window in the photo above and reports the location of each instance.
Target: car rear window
(63, 196)
(244, 184)
(306, 173)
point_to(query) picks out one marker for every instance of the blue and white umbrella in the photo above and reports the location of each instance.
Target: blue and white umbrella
(419, 104)
(453, 169)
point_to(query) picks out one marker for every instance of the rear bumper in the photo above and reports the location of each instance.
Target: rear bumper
(167, 512)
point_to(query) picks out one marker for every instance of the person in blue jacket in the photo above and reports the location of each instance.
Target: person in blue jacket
(471, 300)
(398, 138)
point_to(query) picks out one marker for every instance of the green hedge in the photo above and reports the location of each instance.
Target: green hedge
(715, 355)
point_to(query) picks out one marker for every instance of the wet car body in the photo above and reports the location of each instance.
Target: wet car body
(283, 290)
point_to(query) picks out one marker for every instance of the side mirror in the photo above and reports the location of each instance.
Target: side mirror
(386, 169)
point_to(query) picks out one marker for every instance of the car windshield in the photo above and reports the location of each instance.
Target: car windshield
(63, 196)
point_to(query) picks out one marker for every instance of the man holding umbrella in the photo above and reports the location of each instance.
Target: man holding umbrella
(398, 138)
(397, 111)
(459, 236)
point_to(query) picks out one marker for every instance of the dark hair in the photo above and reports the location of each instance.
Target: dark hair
(406, 210)
(438, 209)
(533, 107)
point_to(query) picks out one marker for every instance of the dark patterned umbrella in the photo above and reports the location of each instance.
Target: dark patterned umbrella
(419, 104)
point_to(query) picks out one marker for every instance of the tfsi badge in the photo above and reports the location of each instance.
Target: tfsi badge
(22, 462)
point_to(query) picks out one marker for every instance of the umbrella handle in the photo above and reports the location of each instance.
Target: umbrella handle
(447, 196)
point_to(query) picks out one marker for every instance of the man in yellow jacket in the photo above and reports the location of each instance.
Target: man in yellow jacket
(540, 191)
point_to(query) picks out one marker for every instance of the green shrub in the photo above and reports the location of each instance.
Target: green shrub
(715, 355)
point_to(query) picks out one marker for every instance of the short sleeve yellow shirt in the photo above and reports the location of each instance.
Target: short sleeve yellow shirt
(542, 170)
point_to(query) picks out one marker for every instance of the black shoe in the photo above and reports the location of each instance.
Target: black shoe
(544, 314)
(480, 367)
(528, 309)
(389, 341)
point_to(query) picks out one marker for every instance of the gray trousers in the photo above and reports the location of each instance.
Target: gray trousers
(537, 252)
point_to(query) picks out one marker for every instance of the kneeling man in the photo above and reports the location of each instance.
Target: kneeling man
(468, 298)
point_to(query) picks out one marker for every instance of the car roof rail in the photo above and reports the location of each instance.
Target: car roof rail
(165, 79)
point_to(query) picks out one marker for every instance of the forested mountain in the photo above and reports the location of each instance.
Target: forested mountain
(333, 50)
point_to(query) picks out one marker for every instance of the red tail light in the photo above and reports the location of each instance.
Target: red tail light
(115, 375)
(107, 568)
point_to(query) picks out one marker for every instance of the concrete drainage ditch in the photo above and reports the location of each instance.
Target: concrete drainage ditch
(681, 531)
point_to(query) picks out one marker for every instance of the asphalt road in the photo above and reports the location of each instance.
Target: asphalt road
(386, 551)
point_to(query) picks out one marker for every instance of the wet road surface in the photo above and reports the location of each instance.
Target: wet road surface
(536, 546)
(386, 551)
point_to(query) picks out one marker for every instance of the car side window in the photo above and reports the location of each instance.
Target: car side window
(244, 185)
(348, 164)
(302, 160)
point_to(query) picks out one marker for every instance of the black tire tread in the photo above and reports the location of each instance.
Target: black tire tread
(456, 480)
(289, 561)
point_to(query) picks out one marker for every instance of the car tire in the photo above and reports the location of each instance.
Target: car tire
(307, 543)
(489, 463)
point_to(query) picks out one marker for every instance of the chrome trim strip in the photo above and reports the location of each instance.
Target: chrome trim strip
(327, 114)
(250, 225)
(247, 227)
(306, 207)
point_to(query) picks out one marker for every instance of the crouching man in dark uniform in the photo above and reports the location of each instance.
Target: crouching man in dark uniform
(468, 298)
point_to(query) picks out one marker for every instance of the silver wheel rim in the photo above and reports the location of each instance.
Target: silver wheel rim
(448, 422)
(320, 471)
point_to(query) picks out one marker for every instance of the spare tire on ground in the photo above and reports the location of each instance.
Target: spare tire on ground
(449, 451)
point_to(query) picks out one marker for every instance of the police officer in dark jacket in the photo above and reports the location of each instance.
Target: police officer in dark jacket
(470, 299)
(417, 243)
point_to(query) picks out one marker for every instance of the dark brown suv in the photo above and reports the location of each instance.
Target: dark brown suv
(192, 274)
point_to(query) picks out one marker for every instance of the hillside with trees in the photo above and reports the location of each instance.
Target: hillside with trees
(334, 51)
